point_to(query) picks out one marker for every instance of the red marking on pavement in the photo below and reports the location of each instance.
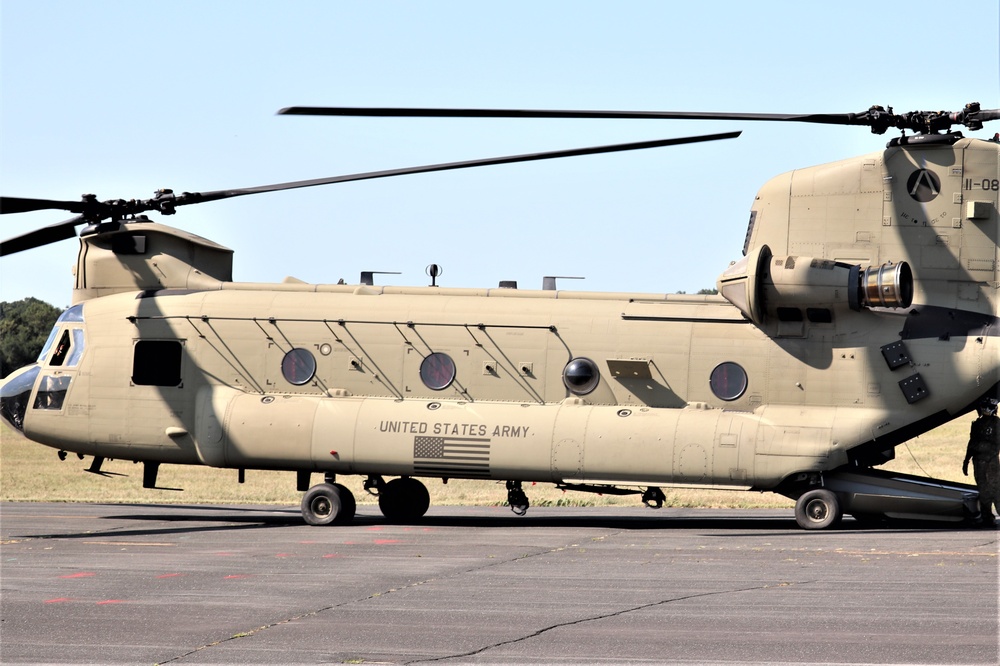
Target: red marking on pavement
(283, 555)
(170, 575)
(82, 574)
(308, 542)
(329, 555)
(235, 576)
(375, 528)
(111, 601)
(382, 542)
(60, 600)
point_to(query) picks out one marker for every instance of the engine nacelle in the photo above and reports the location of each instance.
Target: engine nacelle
(765, 287)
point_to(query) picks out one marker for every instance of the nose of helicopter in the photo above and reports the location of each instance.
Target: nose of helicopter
(15, 391)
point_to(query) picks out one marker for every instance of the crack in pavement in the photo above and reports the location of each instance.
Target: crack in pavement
(602, 616)
(376, 595)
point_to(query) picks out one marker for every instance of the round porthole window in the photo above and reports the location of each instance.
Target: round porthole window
(298, 366)
(581, 376)
(728, 381)
(437, 371)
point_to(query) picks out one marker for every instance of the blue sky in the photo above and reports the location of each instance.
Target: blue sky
(121, 98)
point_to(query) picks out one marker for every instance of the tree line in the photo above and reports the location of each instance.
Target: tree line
(24, 327)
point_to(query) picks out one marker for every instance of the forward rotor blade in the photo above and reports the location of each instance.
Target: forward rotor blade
(387, 112)
(39, 237)
(166, 202)
(23, 205)
(191, 198)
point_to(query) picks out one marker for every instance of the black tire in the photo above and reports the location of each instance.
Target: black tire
(404, 499)
(348, 505)
(817, 510)
(321, 505)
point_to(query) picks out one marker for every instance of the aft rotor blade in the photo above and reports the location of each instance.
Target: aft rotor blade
(40, 237)
(191, 198)
(875, 117)
(399, 112)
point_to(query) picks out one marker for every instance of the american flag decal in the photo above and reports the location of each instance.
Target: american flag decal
(451, 457)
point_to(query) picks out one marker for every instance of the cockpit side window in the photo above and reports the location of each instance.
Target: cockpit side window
(51, 392)
(70, 315)
(62, 350)
(69, 350)
(76, 349)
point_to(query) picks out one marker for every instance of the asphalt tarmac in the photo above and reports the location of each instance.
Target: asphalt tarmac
(186, 584)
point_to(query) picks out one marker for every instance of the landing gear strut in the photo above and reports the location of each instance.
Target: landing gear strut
(654, 498)
(373, 485)
(516, 498)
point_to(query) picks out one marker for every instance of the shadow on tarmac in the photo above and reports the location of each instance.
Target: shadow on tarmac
(191, 519)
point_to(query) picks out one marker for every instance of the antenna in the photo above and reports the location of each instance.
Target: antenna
(549, 281)
(434, 271)
(368, 277)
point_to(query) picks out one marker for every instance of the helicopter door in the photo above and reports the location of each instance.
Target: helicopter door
(732, 454)
(59, 371)
(980, 224)
(567, 439)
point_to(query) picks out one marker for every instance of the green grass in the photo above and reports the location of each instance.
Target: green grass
(31, 472)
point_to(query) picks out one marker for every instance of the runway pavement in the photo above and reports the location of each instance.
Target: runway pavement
(185, 584)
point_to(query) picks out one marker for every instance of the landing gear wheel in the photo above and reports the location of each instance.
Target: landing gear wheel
(348, 505)
(404, 499)
(321, 504)
(817, 510)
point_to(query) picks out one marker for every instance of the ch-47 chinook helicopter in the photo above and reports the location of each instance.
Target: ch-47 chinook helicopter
(864, 312)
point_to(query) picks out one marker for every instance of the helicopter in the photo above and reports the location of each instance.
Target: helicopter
(863, 312)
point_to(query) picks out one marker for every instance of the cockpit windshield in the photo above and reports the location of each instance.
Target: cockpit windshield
(47, 347)
(14, 396)
(62, 350)
(73, 314)
(71, 346)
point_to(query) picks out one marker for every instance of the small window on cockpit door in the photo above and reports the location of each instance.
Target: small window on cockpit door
(69, 350)
(157, 363)
(62, 349)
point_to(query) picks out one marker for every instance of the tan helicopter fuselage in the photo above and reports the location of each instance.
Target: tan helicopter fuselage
(788, 371)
